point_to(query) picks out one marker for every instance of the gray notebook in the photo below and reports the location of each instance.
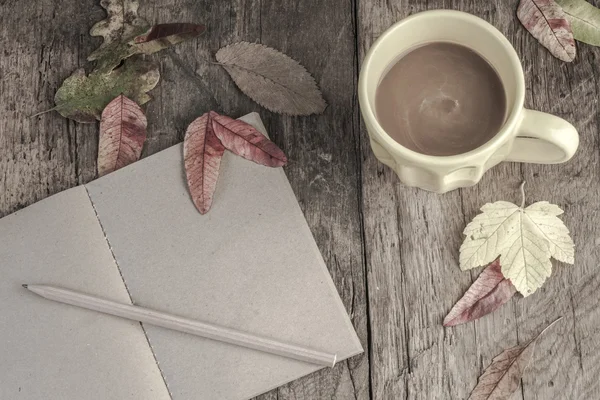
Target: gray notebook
(251, 263)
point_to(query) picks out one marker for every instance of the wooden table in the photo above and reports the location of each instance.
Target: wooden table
(392, 250)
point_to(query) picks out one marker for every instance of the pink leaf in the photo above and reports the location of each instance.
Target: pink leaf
(486, 295)
(548, 23)
(122, 135)
(245, 141)
(202, 153)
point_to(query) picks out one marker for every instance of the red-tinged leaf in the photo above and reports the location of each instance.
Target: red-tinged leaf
(486, 295)
(244, 140)
(202, 153)
(501, 379)
(162, 36)
(548, 23)
(122, 135)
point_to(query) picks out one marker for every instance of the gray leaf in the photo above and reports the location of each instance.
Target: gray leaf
(501, 379)
(272, 79)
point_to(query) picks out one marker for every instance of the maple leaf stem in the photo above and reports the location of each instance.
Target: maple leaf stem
(522, 189)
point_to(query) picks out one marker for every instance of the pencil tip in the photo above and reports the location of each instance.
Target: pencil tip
(24, 285)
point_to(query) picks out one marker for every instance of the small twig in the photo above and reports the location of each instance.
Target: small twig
(521, 188)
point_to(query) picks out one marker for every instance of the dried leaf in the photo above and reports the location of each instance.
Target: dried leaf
(547, 22)
(125, 34)
(244, 140)
(122, 135)
(584, 19)
(121, 25)
(544, 216)
(272, 79)
(501, 379)
(202, 153)
(490, 291)
(524, 238)
(161, 36)
(83, 98)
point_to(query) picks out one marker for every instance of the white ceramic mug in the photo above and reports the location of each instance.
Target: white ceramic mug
(526, 136)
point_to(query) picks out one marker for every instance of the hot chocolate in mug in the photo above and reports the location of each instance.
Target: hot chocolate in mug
(526, 135)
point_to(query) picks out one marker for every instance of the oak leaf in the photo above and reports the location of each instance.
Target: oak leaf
(501, 379)
(122, 135)
(121, 25)
(584, 19)
(524, 238)
(83, 98)
(489, 291)
(548, 23)
(272, 79)
(202, 153)
(125, 34)
(244, 140)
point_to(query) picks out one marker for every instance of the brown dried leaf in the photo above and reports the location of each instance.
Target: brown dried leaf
(122, 135)
(161, 36)
(121, 25)
(202, 153)
(501, 378)
(244, 140)
(126, 34)
(548, 23)
(490, 291)
(272, 79)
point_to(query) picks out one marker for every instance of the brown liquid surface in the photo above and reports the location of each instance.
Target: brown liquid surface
(441, 99)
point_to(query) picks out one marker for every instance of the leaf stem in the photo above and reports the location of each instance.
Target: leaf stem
(210, 61)
(521, 188)
(548, 327)
(42, 112)
(544, 330)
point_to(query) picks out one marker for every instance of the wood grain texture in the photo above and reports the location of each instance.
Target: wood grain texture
(413, 275)
(392, 250)
(43, 155)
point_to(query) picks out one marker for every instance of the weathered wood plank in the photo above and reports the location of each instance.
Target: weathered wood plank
(43, 155)
(412, 241)
(43, 42)
(323, 172)
(566, 367)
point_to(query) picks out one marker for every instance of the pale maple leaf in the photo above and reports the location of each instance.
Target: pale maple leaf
(524, 238)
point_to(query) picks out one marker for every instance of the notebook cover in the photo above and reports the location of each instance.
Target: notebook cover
(251, 263)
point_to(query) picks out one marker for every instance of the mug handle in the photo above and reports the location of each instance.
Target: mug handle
(544, 139)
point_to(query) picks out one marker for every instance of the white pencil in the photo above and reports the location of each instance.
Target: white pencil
(193, 327)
